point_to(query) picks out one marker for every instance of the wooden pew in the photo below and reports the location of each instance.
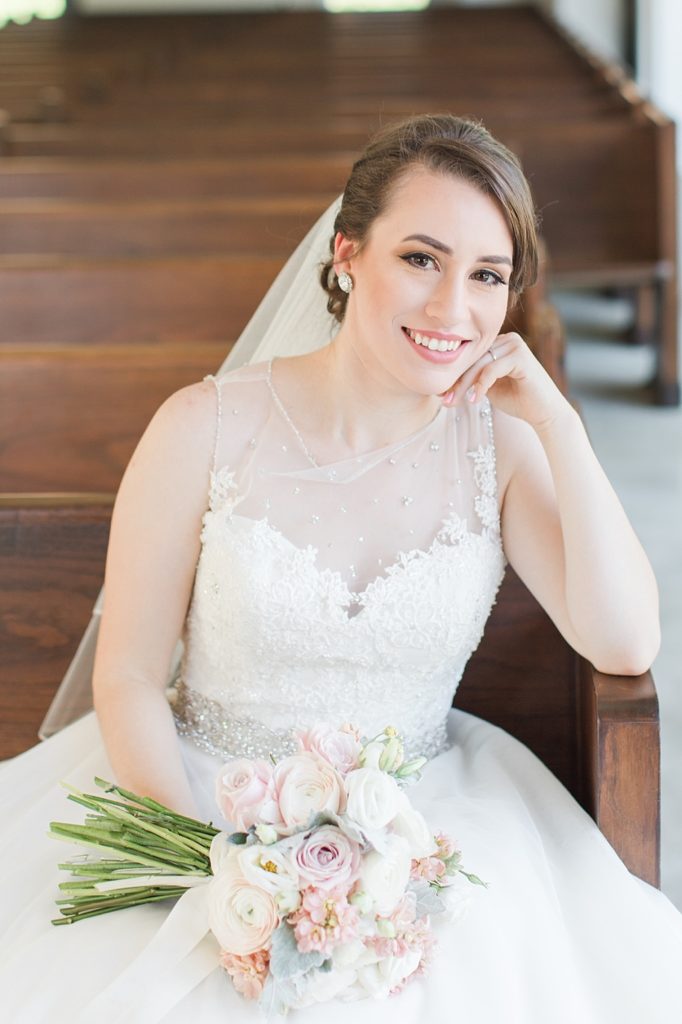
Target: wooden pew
(82, 410)
(230, 226)
(52, 550)
(68, 301)
(180, 179)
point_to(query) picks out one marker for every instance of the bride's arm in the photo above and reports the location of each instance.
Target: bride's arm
(153, 550)
(565, 531)
(567, 536)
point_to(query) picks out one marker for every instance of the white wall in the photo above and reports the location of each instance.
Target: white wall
(599, 24)
(189, 6)
(659, 48)
(142, 6)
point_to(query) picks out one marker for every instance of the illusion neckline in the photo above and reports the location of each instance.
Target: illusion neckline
(391, 446)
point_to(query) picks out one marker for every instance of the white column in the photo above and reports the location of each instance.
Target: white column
(659, 38)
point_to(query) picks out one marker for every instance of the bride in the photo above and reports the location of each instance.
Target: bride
(326, 527)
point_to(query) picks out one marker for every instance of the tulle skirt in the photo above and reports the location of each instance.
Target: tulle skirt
(563, 933)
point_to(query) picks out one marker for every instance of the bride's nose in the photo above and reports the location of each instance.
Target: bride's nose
(449, 301)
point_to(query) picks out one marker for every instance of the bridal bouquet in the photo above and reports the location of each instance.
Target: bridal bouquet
(326, 890)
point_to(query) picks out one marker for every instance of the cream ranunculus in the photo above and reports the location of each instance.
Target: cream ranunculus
(242, 916)
(305, 785)
(373, 798)
(384, 876)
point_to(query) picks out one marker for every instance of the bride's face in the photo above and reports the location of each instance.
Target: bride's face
(434, 271)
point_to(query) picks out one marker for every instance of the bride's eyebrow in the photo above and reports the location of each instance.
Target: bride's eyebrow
(433, 242)
(442, 247)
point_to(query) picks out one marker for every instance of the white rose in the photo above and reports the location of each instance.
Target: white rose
(241, 916)
(321, 986)
(267, 867)
(410, 824)
(378, 979)
(373, 798)
(384, 876)
(457, 897)
(347, 954)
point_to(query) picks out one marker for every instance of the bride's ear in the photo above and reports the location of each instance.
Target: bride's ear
(344, 250)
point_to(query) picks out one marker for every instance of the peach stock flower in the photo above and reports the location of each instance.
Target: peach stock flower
(248, 973)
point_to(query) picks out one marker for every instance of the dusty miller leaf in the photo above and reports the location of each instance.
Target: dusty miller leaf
(429, 900)
(286, 959)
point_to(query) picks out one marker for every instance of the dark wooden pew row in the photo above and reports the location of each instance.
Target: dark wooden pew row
(175, 300)
(156, 229)
(598, 734)
(70, 417)
(52, 550)
(273, 175)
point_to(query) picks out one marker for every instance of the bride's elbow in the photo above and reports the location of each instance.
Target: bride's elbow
(632, 658)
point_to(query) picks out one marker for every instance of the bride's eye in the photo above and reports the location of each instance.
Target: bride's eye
(488, 277)
(422, 260)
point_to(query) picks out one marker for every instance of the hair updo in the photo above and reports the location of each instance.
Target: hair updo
(447, 145)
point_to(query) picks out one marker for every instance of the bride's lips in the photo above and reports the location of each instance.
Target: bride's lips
(431, 355)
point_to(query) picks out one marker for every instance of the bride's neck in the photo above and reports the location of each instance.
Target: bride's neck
(350, 403)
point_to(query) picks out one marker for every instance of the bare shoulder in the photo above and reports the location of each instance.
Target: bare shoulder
(189, 414)
(172, 460)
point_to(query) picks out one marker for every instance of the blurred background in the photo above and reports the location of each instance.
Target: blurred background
(159, 159)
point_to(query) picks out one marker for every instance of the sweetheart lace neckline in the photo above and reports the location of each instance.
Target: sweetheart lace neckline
(451, 534)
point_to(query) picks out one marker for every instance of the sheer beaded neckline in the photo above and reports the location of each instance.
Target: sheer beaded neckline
(394, 446)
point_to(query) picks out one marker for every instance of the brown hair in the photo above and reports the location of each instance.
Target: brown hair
(445, 144)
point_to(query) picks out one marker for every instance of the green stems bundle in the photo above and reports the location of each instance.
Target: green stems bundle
(155, 854)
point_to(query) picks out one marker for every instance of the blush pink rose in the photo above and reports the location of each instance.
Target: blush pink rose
(338, 746)
(305, 785)
(327, 859)
(244, 791)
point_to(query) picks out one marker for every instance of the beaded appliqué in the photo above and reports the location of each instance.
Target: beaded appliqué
(485, 477)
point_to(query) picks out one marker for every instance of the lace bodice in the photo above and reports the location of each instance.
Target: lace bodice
(354, 591)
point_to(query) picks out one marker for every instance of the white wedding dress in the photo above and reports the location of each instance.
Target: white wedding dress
(333, 592)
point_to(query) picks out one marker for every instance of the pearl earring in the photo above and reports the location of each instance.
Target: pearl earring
(345, 282)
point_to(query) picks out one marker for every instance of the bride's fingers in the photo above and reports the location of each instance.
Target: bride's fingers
(468, 384)
(499, 365)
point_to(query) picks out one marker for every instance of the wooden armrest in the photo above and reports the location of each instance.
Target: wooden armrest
(620, 764)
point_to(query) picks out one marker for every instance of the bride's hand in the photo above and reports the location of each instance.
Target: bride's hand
(514, 381)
